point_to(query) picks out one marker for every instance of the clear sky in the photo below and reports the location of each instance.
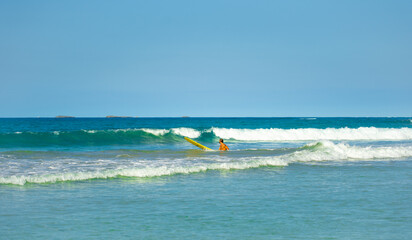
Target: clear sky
(205, 58)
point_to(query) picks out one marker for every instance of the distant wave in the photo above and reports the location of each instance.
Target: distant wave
(308, 118)
(174, 135)
(55, 171)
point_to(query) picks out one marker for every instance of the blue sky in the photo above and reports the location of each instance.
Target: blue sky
(205, 58)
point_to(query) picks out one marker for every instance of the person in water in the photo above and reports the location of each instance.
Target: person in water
(223, 146)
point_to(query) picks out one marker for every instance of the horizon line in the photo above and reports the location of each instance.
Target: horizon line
(128, 117)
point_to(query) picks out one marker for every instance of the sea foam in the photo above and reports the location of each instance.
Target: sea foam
(253, 162)
(144, 136)
(329, 151)
(187, 132)
(58, 171)
(304, 134)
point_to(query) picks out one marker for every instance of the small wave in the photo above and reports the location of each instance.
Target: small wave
(186, 132)
(329, 151)
(141, 172)
(157, 132)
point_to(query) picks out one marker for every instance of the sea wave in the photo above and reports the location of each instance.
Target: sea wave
(140, 172)
(186, 132)
(175, 135)
(300, 134)
(95, 137)
(329, 151)
(144, 166)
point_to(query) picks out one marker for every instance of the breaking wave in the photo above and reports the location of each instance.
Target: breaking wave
(174, 135)
(74, 170)
(96, 137)
(276, 134)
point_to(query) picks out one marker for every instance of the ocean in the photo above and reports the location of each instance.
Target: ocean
(137, 178)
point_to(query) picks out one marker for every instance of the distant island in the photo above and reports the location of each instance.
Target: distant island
(185, 116)
(61, 116)
(112, 116)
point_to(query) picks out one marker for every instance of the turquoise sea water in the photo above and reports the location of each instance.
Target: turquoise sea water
(283, 178)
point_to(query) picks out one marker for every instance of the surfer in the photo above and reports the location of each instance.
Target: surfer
(223, 146)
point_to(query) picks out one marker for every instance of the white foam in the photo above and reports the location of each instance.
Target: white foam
(39, 171)
(142, 172)
(90, 131)
(157, 132)
(305, 134)
(328, 151)
(187, 132)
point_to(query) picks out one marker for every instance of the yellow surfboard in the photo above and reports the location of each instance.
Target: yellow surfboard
(197, 144)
